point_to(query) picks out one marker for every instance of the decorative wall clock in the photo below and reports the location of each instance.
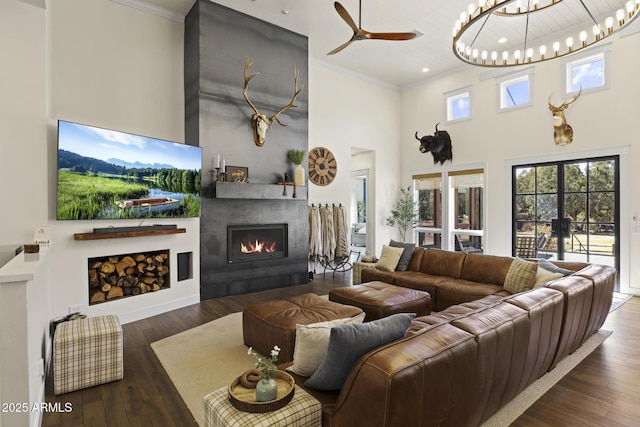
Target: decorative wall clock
(322, 166)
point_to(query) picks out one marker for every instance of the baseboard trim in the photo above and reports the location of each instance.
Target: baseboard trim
(158, 309)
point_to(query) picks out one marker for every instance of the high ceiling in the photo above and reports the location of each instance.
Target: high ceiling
(396, 63)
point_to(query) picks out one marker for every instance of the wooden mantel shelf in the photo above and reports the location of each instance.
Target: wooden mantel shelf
(121, 234)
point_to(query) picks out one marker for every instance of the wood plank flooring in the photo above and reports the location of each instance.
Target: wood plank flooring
(604, 390)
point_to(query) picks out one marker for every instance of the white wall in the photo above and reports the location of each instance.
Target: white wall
(103, 64)
(23, 157)
(123, 71)
(348, 111)
(605, 119)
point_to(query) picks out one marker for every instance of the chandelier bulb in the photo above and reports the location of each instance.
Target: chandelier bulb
(609, 24)
(570, 43)
(630, 8)
(620, 16)
(556, 47)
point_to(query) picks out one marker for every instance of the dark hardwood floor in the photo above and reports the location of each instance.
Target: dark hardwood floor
(603, 390)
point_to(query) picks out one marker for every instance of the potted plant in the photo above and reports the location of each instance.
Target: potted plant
(403, 213)
(297, 157)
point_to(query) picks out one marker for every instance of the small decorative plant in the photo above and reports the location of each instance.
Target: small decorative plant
(403, 213)
(266, 365)
(296, 156)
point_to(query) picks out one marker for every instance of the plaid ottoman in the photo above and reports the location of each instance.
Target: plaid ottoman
(87, 352)
(302, 411)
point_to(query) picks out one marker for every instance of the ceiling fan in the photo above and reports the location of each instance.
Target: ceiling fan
(360, 34)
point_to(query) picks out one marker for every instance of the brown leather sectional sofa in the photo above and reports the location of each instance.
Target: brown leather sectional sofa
(462, 363)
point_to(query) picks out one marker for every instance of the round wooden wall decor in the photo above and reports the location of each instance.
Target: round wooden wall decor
(322, 166)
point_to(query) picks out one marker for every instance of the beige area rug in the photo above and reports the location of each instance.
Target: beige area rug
(204, 359)
(210, 356)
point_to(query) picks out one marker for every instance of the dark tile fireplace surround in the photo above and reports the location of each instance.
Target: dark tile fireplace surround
(223, 272)
(217, 118)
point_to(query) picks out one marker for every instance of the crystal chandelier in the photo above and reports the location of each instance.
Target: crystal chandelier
(476, 42)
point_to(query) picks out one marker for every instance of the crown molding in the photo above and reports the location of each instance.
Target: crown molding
(146, 7)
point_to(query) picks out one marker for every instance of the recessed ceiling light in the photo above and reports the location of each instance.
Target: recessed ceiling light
(425, 70)
(502, 40)
(284, 11)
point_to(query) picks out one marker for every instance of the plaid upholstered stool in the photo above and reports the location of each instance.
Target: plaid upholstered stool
(303, 411)
(87, 352)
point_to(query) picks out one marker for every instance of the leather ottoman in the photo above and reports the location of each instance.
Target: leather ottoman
(380, 299)
(274, 322)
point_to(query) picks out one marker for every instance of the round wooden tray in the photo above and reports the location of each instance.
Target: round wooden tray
(244, 399)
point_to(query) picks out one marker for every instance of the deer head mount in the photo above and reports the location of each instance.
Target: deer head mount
(439, 144)
(562, 131)
(260, 122)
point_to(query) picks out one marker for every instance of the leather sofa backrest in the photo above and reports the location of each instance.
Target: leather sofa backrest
(486, 268)
(411, 382)
(502, 333)
(578, 298)
(442, 263)
(603, 278)
(545, 307)
(456, 373)
(416, 259)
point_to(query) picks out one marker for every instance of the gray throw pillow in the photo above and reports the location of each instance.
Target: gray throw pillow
(549, 266)
(349, 342)
(403, 264)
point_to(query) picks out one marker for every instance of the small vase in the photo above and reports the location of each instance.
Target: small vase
(266, 390)
(298, 176)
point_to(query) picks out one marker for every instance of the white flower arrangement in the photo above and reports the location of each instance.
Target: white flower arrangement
(266, 365)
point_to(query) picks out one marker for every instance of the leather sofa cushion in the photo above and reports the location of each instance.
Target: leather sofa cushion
(453, 291)
(486, 268)
(442, 263)
(375, 274)
(422, 282)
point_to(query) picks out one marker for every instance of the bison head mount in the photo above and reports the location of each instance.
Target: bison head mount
(439, 144)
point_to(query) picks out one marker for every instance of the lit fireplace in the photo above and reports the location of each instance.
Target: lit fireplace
(259, 241)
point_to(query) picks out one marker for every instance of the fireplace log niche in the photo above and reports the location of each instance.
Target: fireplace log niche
(256, 242)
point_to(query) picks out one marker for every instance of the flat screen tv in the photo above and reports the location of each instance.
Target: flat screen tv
(106, 174)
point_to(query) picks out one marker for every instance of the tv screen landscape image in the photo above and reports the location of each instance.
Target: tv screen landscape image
(106, 174)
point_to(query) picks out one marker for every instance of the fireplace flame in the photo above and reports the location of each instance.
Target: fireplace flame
(258, 247)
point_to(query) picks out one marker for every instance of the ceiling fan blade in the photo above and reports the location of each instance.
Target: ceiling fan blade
(390, 36)
(342, 46)
(345, 15)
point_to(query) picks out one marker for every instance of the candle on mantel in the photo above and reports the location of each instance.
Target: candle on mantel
(218, 162)
(223, 164)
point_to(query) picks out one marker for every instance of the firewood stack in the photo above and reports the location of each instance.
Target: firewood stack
(127, 275)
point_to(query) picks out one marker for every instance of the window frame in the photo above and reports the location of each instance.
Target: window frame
(453, 96)
(448, 230)
(504, 82)
(577, 61)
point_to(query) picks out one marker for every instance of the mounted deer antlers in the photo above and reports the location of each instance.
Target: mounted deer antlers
(260, 122)
(562, 131)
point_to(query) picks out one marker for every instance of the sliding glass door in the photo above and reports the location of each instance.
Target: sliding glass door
(568, 210)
